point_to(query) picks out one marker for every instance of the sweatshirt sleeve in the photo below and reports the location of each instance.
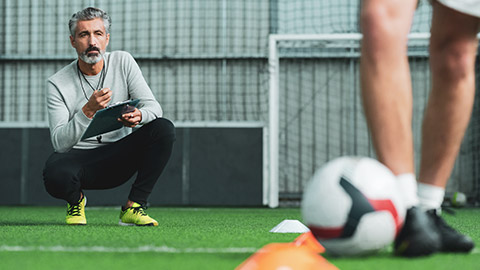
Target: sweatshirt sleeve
(65, 131)
(138, 88)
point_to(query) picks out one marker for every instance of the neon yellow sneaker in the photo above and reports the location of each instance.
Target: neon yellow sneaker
(76, 213)
(136, 216)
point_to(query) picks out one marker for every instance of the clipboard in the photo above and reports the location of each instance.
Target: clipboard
(105, 120)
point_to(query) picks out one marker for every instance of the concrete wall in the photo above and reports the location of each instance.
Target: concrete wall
(209, 166)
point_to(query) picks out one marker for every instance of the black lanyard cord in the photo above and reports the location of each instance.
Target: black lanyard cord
(100, 81)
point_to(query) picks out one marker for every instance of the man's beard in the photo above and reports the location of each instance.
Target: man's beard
(94, 58)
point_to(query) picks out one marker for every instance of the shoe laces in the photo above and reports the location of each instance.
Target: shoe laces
(74, 210)
(139, 210)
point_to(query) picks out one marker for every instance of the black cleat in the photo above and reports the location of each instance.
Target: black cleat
(418, 236)
(451, 240)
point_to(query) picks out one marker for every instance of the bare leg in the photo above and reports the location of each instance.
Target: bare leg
(387, 101)
(385, 80)
(453, 47)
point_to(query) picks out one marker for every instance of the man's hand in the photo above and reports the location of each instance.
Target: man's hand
(131, 119)
(98, 100)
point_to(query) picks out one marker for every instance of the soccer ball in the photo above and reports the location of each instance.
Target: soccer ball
(352, 206)
(459, 199)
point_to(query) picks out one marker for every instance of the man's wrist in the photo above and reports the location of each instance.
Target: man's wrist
(88, 113)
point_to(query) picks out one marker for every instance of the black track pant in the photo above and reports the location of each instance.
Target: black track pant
(146, 151)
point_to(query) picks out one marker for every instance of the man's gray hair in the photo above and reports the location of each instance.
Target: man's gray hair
(87, 14)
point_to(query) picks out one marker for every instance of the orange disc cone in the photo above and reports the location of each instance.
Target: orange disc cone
(285, 256)
(308, 240)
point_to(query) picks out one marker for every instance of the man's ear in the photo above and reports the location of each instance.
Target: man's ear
(72, 41)
(108, 40)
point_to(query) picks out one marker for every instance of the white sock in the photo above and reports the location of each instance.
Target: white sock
(431, 197)
(407, 184)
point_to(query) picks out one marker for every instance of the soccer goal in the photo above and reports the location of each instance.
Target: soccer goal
(315, 110)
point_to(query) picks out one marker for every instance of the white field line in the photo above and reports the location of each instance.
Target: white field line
(154, 249)
(142, 249)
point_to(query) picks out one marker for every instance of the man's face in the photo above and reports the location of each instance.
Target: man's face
(90, 40)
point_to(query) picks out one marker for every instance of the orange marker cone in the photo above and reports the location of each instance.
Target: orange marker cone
(308, 240)
(286, 256)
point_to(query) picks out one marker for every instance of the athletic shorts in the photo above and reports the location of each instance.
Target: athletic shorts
(470, 7)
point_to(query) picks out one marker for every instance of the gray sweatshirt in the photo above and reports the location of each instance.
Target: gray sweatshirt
(65, 99)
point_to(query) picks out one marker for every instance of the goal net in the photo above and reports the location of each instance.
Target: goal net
(315, 111)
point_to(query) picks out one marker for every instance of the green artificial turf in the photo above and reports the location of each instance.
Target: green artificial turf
(187, 238)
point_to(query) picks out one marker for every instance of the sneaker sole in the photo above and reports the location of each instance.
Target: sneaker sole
(133, 224)
(125, 224)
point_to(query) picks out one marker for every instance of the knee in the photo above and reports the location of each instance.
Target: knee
(375, 18)
(452, 61)
(382, 19)
(385, 25)
(59, 176)
(163, 129)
